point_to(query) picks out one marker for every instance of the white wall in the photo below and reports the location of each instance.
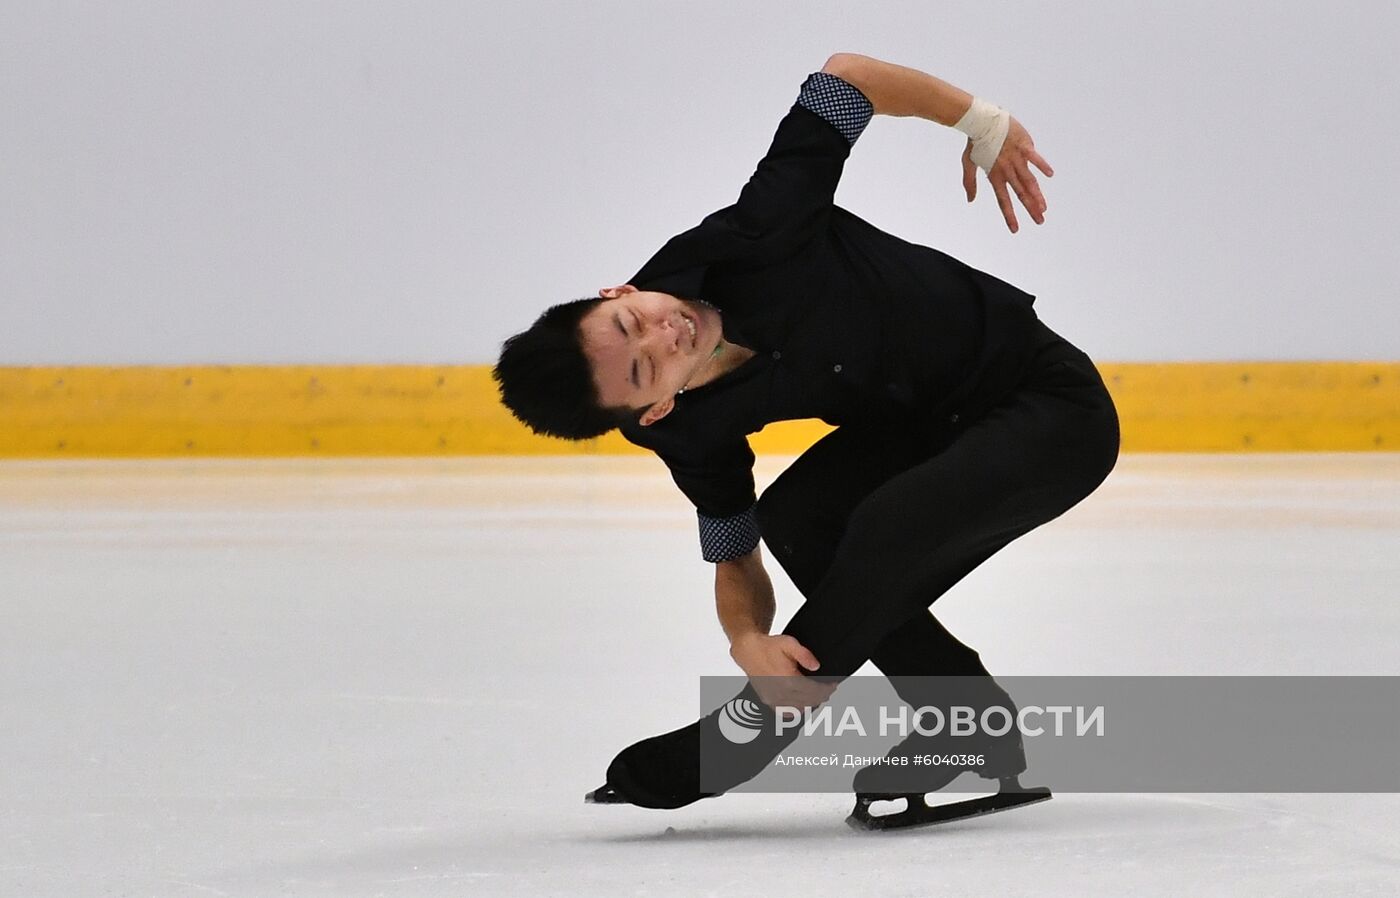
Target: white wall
(412, 182)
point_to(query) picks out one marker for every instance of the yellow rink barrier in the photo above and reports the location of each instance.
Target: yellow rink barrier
(381, 410)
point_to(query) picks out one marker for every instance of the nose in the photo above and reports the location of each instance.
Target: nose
(664, 335)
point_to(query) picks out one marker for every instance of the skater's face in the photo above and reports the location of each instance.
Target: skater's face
(644, 347)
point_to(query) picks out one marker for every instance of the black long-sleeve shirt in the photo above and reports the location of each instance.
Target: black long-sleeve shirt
(848, 323)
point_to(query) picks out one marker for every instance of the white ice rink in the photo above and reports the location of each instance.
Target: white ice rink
(399, 678)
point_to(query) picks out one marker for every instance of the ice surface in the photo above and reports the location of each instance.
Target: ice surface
(399, 678)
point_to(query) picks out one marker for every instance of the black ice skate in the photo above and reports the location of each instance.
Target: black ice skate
(999, 758)
(664, 771)
(918, 812)
(660, 772)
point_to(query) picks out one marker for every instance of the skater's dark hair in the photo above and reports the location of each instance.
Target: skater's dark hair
(545, 380)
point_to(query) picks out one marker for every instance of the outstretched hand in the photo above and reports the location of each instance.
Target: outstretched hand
(1012, 167)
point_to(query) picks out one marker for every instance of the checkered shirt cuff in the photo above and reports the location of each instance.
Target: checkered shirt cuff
(724, 539)
(837, 101)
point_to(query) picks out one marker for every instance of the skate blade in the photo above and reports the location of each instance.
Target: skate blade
(604, 794)
(920, 813)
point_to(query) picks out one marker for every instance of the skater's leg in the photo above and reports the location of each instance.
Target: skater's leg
(803, 514)
(921, 531)
(918, 533)
(802, 517)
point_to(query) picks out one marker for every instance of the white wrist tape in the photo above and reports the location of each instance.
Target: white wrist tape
(986, 124)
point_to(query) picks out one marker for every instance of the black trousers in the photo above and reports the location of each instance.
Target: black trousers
(873, 524)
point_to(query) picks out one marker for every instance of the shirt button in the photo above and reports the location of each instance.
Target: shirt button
(837, 369)
(777, 355)
(953, 418)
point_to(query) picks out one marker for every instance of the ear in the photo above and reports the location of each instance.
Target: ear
(657, 411)
(615, 292)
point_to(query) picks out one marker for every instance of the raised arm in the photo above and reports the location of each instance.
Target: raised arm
(997, 143)
(901, 91)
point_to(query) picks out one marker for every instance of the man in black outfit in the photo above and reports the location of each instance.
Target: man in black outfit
(962, 420)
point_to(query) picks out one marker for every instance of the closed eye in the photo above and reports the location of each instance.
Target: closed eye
(617, 319)
(636, 382)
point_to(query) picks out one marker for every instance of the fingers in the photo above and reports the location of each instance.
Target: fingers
(798, 694)
(1020, 180)
(1004, 201)
(792, 691)
(817, 693)
(1032, 189)
(1027, 190)
(799, 653)
(969, 174)
(1023, 182)
(1040, 162)
(1013, 167)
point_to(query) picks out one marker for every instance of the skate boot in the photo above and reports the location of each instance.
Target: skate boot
(921, 764)
(740, 740)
